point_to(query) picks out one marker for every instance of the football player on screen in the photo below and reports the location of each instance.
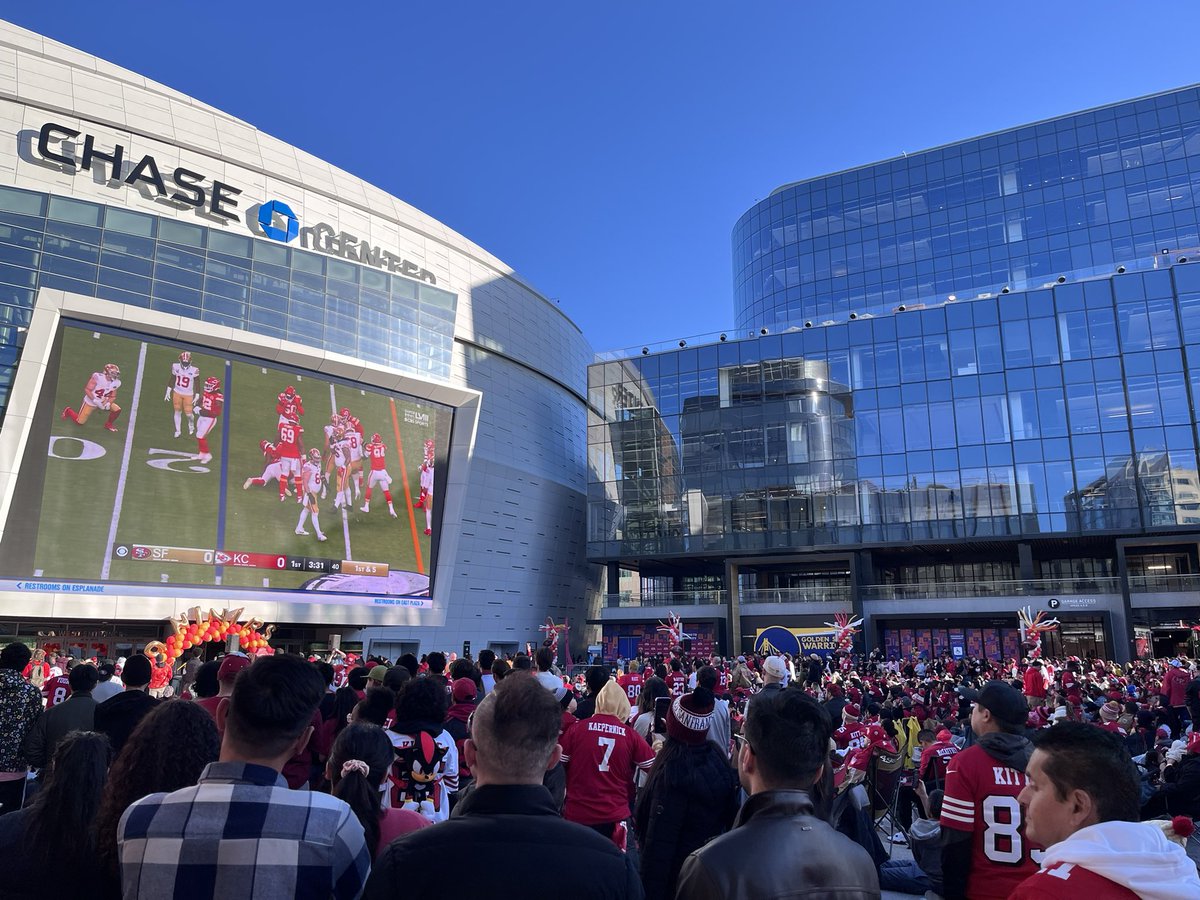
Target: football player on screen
(181, 391)
(291, 452)
(100, 393)
(314, 478)
(212, 401)
(427, 493)
(377, 453)
(289, 405)
(354, 448)
(273, 470)
(339, 449)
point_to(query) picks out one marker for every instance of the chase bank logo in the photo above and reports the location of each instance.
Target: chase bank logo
(277, 221)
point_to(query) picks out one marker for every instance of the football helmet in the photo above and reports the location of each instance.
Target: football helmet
(376, 439)
(290, 392)
(112, 370)
(339, 433)
(264, 446)
(185, 358)
(344, 412)
(315, 455)
(335, 419)
(211, 384)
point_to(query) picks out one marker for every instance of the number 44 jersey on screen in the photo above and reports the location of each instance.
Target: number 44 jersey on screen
(167, 464)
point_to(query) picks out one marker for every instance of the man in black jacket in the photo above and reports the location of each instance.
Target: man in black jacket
(118, 716)
(508, 823)
(76, 713)
(778, 847)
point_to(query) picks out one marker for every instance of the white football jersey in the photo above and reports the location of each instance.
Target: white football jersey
(186, 378)
(311, 474)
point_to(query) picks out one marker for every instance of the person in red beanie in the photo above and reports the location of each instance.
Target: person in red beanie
(690, 796)
(462, 696)
(231, 665)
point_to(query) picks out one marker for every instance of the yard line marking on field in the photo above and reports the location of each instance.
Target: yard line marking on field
(345, 519)
(124, 474)
(408, 504)
(223, 496)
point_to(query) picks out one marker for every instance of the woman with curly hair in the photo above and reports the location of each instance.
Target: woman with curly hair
(167, 751)
(426, 756)
(49, 841)
(357, 771)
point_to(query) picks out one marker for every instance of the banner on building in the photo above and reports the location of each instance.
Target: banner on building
(776, 640)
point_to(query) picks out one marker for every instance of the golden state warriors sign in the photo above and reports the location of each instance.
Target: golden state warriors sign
(776, 640)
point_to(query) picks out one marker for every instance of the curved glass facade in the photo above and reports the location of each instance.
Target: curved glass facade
(206, 274)
(1065, 411)
(1076, 194)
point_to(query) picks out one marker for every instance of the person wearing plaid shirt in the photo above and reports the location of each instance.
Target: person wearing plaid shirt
(241, 832)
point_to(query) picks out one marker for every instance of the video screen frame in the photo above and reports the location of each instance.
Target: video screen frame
(87, 599)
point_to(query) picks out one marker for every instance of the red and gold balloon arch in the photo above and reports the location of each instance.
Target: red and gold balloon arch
(193, 628)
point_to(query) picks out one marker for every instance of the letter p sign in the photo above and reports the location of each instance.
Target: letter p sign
(277, 221)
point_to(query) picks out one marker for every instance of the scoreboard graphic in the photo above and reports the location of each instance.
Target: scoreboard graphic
(197, 556)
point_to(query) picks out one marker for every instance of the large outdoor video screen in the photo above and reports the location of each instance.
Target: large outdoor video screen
(164, 464)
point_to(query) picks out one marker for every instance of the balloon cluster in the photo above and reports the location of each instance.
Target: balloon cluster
(844, 630)
(191, 629)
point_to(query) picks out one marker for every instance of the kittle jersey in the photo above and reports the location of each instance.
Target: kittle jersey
(602, 756)
(185, 378)
(981, 798)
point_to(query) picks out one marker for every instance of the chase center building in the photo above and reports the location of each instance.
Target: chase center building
(126, 205)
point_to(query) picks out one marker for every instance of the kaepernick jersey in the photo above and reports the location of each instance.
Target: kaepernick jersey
(602, 756)
(211, 404)
(185, 378)
(378, 455)
(981, 798)
(288, 444)
(1067, 881)
(289, 406)
(56, 690)
(101, 389)
(631, 684)
(677, 682)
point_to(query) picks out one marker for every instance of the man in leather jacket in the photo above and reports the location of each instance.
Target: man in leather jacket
(778, 847)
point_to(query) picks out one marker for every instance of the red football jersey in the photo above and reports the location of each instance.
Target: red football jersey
(288, 444)
(211, 404)
(1067, 881)
(378, 454)
(602, 755)
(981, 797)
(631, 684)
(677, 681)
(851, 736)
(56, 690)
(289, 406)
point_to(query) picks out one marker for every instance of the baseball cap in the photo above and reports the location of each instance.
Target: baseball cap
(462, 690)
(741, 659)
(1003, 702)
(1176, 663)
(231, 665)
(775, 667)
(106, 669)
(1193, 742)
(377, 673)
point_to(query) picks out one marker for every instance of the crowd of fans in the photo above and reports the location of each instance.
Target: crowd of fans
(698, 779)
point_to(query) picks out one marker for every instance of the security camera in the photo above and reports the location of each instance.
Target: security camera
(724, 336)
(855, 315)
(1120, 270)
(808, 324)
(645, 351)
(1062, 279)
(763, 332)
(1004, 290)
(683, 343)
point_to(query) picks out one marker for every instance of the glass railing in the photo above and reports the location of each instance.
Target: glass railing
(1040, 587)
(668, 599)
(824, 594)
(1154, 584)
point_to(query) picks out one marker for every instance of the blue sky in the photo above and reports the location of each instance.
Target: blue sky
(605, 150)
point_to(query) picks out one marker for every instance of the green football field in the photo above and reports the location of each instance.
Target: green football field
(169, 498)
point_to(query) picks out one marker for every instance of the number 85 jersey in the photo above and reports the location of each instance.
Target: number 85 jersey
(981, 798)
